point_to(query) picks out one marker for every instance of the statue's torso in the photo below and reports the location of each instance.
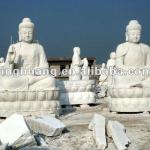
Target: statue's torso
(27, 55)
(135, 56)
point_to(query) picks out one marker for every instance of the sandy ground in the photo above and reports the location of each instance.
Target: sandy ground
(78, 137)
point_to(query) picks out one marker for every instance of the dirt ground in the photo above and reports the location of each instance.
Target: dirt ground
(78, 137)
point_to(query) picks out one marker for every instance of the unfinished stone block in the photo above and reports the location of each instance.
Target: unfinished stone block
(97, 125)
(117, 131)
(15, 133)
(35, 148)
(46, 125)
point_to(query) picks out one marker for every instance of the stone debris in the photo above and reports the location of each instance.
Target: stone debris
(3, 147)
(15, 132)
(40, 141)
(117, 131)
(97, 125)
(40, 148)
(111, 146)
(35, 148)
(46, 125)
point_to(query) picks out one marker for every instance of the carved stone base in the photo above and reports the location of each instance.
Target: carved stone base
(29, 102)
(77, 98)
(77, 92)
(129, 104)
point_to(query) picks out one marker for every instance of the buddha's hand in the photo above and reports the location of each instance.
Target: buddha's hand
(12, 55)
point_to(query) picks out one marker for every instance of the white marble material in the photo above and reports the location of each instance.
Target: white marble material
(36, 148)
(79, 89)
(103, 82)
(130, 92)
(27, 93)
(85, 70)
(46, 125)
(111, 62)
(117, 131)
(2, 62)
(77, 92)
(97, 125)
(75, 69)
(14, 131)
(133, 47)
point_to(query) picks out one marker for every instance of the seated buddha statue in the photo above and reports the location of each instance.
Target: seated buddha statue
(132, 57)
(29, 55)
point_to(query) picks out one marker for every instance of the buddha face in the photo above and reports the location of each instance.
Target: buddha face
(26, 35)
(113, 55)
(133, 36)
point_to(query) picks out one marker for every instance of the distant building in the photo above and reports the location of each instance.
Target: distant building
(61, 63)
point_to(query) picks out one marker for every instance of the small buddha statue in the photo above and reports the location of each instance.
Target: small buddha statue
(75, 69)
(85, 69)
(111, 62)
(2, 62)
(111, 65)
(103, 81)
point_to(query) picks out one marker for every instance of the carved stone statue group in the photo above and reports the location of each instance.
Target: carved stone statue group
(127, 93)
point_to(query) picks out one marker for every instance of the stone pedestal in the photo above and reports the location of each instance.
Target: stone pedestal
(129, 99)
(77, 92)
(29, 102)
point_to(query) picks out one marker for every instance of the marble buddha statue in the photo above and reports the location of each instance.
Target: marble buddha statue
(32, 93)
(2, 62)
(75, 69)
(132, 55)
(111, 62)
(85, 69)
(29, 55)
(131, 87)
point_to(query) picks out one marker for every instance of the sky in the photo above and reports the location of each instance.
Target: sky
(96, 26)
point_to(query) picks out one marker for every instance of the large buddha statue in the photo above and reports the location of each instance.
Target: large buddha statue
(33, 91)
(132, 56)
(131, 87)
(29, 55)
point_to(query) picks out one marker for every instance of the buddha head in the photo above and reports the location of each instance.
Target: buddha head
(1, 60)
(26, 29)
(76, 50)
(85, 62)
(103, 65)
(112, 55)
(133, 31)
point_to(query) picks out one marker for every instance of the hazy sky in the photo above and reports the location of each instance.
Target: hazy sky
(96, 26)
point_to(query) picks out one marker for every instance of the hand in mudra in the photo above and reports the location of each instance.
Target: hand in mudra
(12, 55)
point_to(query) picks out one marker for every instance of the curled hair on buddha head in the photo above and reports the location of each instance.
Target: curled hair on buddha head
(26, 23)
(133, 25)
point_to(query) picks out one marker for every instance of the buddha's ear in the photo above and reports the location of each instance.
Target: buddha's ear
(126, 35)
(19, 35)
